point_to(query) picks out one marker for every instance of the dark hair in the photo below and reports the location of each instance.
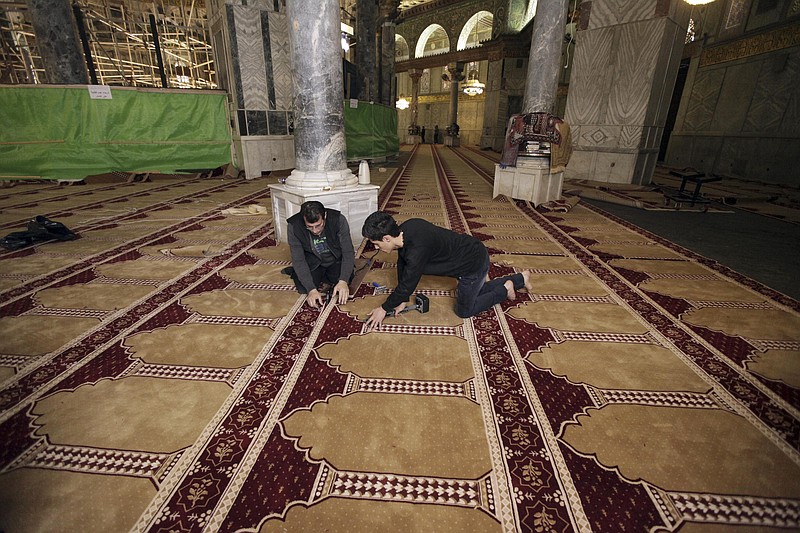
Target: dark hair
(379, 224)
(312, 211)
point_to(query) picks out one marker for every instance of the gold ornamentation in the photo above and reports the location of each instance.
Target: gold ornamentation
(750, 46)
(542, 522)
(520, 436)
(198, 490)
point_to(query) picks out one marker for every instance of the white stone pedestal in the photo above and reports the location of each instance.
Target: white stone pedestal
(413, 139)
(451, 140)
(356, 203)
(530, 180)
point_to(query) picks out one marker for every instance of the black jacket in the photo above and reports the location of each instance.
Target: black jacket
(429, 249)
(305, 257)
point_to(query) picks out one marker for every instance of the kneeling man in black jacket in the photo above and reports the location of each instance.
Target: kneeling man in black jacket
(423, 248)
(322, 252)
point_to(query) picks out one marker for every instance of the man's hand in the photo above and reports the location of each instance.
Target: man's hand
(375, 318)
(341, 292)
(314, 298)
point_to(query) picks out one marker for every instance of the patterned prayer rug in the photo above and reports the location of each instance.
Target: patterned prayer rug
(641, 387)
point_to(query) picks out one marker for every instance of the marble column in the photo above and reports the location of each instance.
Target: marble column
(547, 39)
(626, 62)
(58, 41)
(321, 171)
(456, 73)
(319, 142)
(531, 179)
(415, 74)
(495, 107)
(387, 63)
(366, 49)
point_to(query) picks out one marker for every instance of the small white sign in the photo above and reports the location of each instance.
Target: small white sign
(99, 92)
(353, 103)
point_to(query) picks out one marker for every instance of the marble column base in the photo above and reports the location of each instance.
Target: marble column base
(530, 180)
(356, 204)
(321, 179)
(413, 139)
(450, 140)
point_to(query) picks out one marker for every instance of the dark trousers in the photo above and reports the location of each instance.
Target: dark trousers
(474, 294)
(329, 275)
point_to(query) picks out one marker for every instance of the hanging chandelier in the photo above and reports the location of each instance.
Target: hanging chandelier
(473, 86)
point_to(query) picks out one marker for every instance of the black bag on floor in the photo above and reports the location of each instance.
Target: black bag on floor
(17, 240)
(39, 229)
(50, 229)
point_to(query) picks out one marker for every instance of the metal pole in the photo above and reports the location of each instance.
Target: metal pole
(87, 52)
(154, 31)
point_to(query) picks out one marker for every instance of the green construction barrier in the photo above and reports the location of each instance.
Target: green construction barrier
(370, 130)
(59, 132)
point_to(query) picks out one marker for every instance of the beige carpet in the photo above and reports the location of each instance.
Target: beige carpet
(161, 374)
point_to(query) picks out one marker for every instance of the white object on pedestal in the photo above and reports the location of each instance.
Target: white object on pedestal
(355, 203)
(363, 173)
(530, 180)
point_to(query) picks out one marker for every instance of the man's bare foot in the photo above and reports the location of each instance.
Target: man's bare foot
(509, 285)
(526, 276)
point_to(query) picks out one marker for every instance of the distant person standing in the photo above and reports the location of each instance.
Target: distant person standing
(436, 134)
(422, 134)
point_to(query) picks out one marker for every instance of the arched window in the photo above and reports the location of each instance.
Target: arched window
(432, 41)
(477, 30)
(401, 49)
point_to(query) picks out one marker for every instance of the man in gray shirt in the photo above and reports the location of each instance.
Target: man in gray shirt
(322, 252)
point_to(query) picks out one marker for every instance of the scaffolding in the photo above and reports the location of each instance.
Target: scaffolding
(121, 35)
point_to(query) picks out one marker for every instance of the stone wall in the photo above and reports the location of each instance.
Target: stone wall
(740, 116)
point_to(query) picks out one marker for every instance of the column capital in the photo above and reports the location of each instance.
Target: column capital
(456, 70)
(415, 73)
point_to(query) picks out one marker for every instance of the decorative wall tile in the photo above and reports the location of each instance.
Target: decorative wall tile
(589, 77)
(634, 64)
(630, 137)
(256, 122)
(598, 136)
(277, 123)
(425, 82)
(736, 95)
(262, 5)
(777, 84)
(612, 12)
(703, 100)
(281, 60)
(251, 57)
(241, 116)
(265, 41)
(736, 13)
(238, 94)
